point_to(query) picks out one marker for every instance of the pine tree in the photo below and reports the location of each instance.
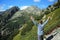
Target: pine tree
(58, 3)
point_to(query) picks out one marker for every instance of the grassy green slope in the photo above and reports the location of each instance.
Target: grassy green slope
(53, 22)
(32, 34)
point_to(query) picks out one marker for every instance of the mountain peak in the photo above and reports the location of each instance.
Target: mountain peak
(33, 10)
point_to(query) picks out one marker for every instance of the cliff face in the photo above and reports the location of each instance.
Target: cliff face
(8, 14)
(4, 18)
(12, 19)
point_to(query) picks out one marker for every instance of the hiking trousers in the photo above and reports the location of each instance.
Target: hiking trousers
(40, 37)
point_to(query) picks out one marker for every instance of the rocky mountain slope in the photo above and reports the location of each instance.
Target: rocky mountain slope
(5, 31)
(32, 34)
(15, 24)
(12, 19)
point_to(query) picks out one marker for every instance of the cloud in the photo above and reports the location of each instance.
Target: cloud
(37, 0)
(10, 6)
(23, 7)
(50, 0)
(2, 7)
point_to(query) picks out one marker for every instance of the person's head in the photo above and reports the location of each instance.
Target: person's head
(40, 21)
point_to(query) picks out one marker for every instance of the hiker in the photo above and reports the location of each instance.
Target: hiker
(40, 26)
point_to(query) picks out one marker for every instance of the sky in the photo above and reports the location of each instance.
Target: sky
(23, 4)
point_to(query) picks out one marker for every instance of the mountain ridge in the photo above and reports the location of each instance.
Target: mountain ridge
(32, 34)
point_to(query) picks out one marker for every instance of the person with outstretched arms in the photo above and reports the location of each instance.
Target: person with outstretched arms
(40, 26)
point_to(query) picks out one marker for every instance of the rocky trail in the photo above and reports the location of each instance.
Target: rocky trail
(56, 34)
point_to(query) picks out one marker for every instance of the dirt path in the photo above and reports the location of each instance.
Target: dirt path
(57, 36)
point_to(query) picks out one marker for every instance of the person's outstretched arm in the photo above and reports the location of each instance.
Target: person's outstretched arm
(35, 23)
(46, 21)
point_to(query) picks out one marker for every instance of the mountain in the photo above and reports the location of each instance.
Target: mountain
(12, 19)
(1, 13)
(24, 34)
(15, 24)
(8, 14)
(5, 30)
(31, 10)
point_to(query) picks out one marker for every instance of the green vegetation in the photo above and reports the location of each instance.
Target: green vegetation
(16, 24)
(32, 34)
(54, 22)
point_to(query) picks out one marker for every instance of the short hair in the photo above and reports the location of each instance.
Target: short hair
(40, 21)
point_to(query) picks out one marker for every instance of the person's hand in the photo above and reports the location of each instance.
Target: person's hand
(49, 17)
(31, 18)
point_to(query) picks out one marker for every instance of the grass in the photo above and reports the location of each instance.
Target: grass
(54, 22)
(32, 34)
